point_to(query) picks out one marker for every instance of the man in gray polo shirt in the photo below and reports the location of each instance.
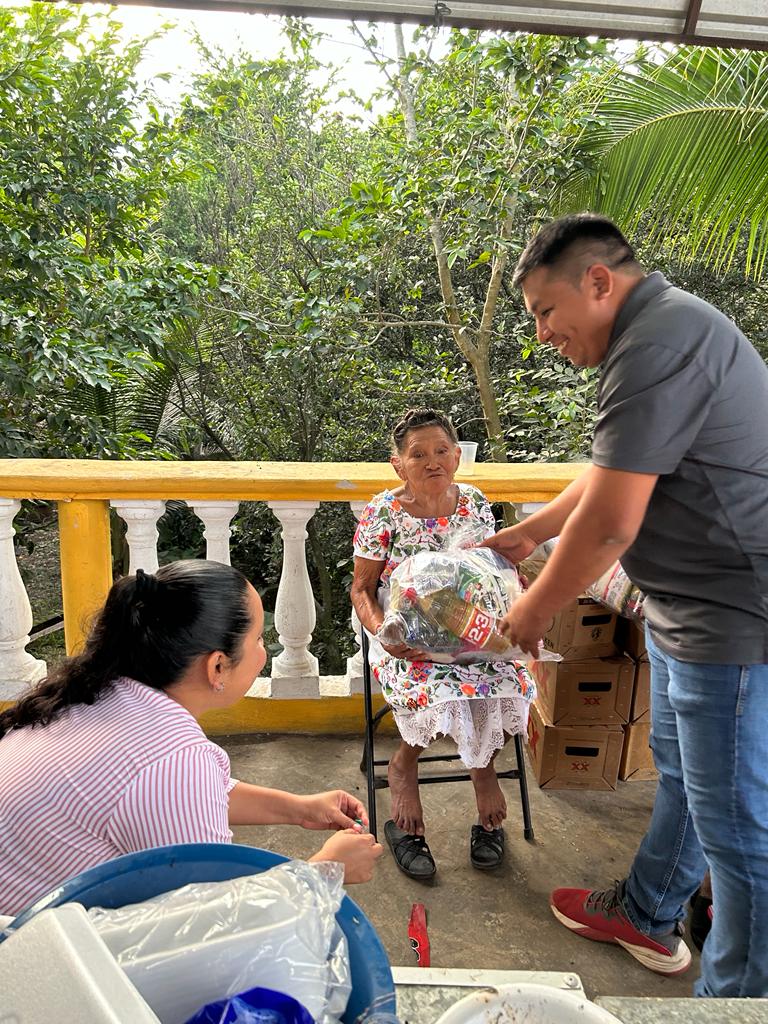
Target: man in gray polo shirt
(678, 489)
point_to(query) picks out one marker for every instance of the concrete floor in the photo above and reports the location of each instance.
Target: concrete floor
(499, 920)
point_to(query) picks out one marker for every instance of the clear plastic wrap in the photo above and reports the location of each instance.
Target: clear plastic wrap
(447, 604)
(213, 940)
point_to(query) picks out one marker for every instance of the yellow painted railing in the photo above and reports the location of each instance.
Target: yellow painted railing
(82, 479)
(83, 489)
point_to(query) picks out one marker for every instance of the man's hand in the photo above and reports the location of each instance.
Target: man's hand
(512, 542)
(524, 627)
(406, 652)
(358, 853)
(333, 810)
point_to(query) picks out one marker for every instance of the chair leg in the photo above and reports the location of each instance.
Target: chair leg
(368, 766)
(370, 728)
(520, 752)
(376, 720)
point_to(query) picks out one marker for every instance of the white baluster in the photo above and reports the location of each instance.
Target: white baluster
(17, 667)
(523, 509)
(295, 672)
(141, 517)
(216, 517)
(355, 663)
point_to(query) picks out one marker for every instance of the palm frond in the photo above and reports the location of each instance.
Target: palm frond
(684, 148)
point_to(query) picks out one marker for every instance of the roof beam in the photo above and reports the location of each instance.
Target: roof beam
(484, 16)
(691, 19)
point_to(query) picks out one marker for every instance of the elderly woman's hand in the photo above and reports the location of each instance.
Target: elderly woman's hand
(406, 652)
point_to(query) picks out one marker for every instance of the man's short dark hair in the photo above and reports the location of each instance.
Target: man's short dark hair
(572, 244)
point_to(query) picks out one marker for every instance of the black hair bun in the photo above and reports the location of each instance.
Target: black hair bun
(147, 585)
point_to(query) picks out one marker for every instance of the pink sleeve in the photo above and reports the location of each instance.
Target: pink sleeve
(183, 798)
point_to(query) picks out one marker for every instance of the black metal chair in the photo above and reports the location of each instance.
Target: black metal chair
(369, 764)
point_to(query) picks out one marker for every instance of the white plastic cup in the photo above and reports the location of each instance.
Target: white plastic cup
(468, 456)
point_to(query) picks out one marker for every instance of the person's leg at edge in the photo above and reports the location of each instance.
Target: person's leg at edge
(722, 711)
(403, 776)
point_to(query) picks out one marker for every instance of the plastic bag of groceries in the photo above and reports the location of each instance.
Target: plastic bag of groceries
(448, 603)
(616, 591)
(614, 588)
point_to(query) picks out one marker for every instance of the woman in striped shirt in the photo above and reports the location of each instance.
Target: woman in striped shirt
(106, 757)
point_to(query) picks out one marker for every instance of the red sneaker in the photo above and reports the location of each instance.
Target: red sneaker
(599, 915)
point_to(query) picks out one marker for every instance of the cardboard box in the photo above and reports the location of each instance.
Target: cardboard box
(597, 691)
(630, 638)
(641, 698)
(573, 757)
(636, 757)
(583, 629)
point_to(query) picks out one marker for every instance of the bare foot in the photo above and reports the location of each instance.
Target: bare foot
(403, 775)
(491, 805)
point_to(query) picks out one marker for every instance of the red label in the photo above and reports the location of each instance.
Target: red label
(479, 629)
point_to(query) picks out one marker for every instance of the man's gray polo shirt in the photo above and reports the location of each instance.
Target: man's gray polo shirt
(684, 395)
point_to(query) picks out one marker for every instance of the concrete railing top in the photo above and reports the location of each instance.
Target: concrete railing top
(72, 479)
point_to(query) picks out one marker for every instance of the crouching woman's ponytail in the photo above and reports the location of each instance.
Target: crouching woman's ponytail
(150, 629)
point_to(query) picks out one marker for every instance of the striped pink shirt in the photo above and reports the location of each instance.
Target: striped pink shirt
(132, 771)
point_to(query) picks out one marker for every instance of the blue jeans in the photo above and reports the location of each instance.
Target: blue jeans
(709, 735)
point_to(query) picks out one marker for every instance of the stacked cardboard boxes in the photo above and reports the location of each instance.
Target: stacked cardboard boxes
(575, 730)
(636, 757)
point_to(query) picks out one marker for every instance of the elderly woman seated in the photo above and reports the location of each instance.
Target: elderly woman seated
(105, 757)
(480, 705)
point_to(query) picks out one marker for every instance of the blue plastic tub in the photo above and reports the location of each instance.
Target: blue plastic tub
(139, 876)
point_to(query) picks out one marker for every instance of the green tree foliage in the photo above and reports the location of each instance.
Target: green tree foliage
(257, 276)
(86, 290)
(463, 164)
(281, 368)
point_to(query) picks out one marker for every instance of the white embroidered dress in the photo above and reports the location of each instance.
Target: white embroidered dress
(473, 704)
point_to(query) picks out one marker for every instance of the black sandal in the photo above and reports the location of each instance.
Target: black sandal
(411, 853)
(486, 849)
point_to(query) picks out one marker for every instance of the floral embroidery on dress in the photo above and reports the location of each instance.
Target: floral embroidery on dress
(386, 532)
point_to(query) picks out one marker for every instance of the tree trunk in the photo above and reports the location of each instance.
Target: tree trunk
(477, 355)
(493, 425)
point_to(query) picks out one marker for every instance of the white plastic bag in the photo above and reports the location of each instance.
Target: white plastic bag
(209, 940)
(448, 604)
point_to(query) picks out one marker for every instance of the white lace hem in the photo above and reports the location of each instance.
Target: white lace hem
(476, 726)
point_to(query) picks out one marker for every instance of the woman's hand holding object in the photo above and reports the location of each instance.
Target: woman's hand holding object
(333, 810)
(357, 852)
(406, 652)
